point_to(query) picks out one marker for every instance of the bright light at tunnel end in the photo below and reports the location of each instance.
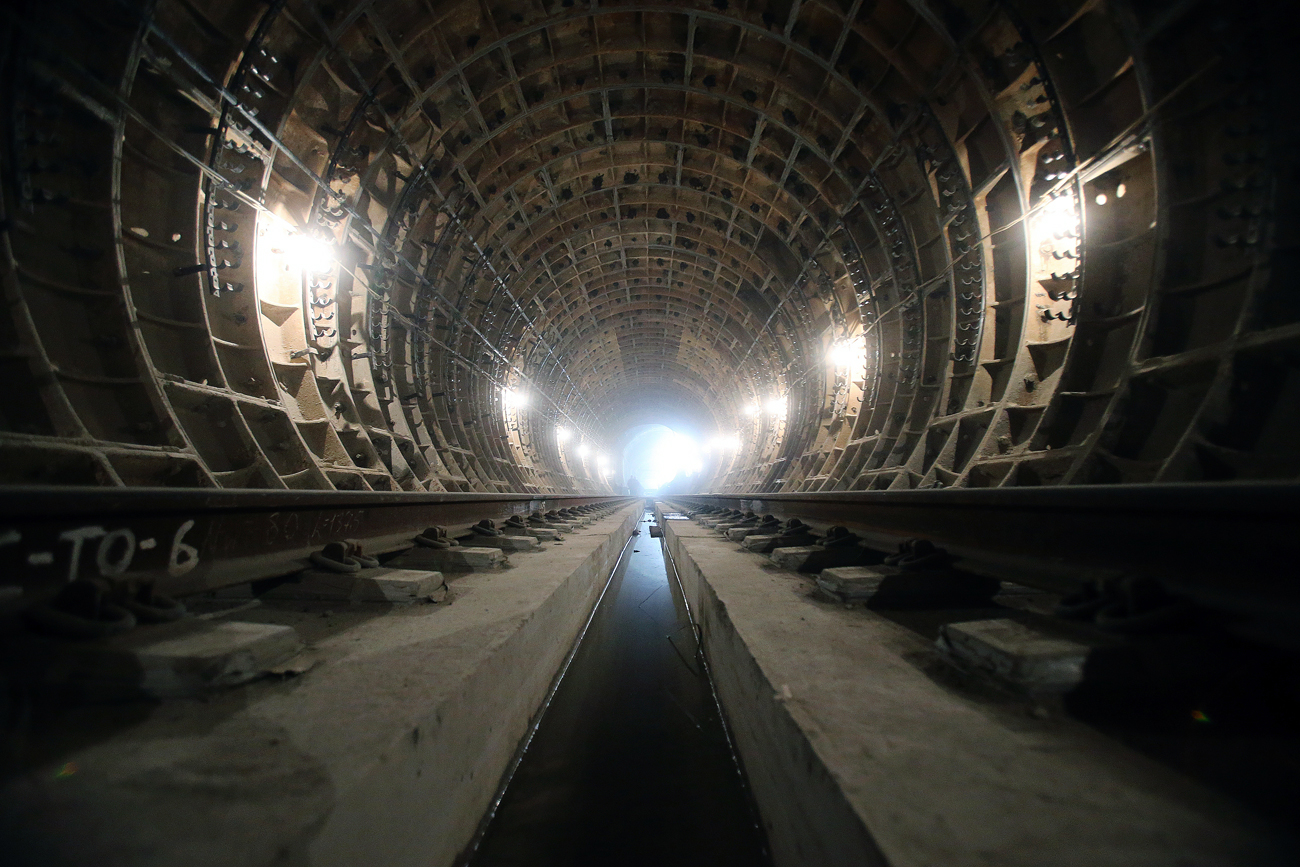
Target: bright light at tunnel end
(673, 454)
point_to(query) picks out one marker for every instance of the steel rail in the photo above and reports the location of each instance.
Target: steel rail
(183, 542)
(1228, 546)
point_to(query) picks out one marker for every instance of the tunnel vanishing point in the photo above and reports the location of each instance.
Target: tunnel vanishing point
(295, 284)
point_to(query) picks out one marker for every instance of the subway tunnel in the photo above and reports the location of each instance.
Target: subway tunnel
(1003, 276)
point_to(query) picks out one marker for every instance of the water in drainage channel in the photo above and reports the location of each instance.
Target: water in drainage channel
(630, 764)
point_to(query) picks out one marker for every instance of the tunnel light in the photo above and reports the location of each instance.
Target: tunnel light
(752, 409)
(562, 434)
(312, 255)
(1120, 191)
(583, 450)
(776, 406)
(1059, 217)
(724, 442)
(1101, 198)
(846, 353)
(513, 398)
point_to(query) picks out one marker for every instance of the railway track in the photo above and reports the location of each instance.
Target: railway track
(1228, 549)
(1225, 548)
(178, 543)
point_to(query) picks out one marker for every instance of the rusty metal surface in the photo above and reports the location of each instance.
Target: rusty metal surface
(1230, 546)
(187, 541)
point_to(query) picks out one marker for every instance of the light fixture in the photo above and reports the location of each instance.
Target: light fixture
(310, 254)
(562, 434)
(1101, 198)
(847, 352)
(1059, 217)
(583, 450)
(776, 406)
(514, 398)
(751, 409)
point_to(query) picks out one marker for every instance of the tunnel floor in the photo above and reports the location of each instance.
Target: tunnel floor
(630, 764)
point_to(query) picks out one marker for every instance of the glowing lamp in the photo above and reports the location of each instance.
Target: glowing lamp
(312, 255)
(846, 353)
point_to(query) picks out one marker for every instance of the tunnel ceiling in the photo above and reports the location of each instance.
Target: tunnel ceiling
(413, 245)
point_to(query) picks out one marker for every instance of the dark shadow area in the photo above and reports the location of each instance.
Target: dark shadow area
(59, 695)
(1208, 704)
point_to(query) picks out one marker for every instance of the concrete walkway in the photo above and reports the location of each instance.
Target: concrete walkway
(858, 756)
(387, 751)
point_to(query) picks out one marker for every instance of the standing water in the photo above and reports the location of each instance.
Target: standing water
(630, 764)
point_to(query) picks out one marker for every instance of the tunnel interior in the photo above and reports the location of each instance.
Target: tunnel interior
(345, 282)
(404, 246)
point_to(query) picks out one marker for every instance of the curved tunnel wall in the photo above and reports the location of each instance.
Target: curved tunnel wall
(1045, 242)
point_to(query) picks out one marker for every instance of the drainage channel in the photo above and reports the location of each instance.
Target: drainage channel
(630, 763)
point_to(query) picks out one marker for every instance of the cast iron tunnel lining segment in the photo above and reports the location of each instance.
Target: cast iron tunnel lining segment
(695, 199)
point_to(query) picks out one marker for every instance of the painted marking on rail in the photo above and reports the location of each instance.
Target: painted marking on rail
(78, 538)
(113, 551)
(183, 557)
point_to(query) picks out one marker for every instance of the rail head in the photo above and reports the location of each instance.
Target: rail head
(1227, 546)
(181, 542)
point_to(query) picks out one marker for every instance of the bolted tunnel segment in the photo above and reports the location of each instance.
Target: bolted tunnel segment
(467, 247)
(351, 347)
